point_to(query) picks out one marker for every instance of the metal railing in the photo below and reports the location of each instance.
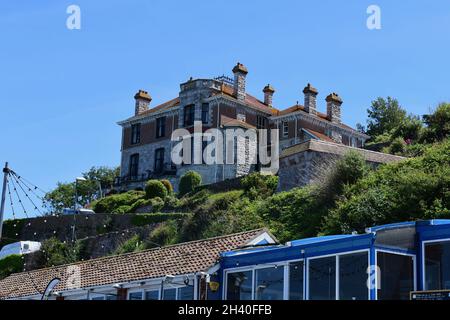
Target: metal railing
(167, 170)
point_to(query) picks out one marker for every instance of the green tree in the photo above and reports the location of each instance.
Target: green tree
(438, 124)
(384, 116)
(63, 196)
(10, 264)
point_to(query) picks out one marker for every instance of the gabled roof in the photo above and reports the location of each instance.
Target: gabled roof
(184, 258)
(250, 100)
(230, 122)
(318, 135)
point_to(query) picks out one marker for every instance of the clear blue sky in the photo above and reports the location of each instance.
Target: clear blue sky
(62, 91)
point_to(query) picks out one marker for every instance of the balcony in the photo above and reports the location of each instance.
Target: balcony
(167, 171)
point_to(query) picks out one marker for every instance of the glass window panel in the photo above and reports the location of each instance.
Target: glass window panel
(269, 284)
(296, 280)
(437, 266)
(396, 276)
(170, 294)
(322, 279)
(353, 276)
(110, 297)
(239, 285)
(98, 298)
(135, 296)
(186, 293)
(152, 295)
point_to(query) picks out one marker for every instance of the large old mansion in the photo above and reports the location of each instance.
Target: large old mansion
(305, 133)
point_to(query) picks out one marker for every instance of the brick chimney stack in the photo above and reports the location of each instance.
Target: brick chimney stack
(240, 73)
(310, 99)
(334, 103)
(268, 95)
(143, 100)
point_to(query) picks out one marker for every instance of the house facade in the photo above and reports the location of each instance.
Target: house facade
(221, 103)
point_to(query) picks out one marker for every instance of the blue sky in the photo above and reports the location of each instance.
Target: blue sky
(62, 91)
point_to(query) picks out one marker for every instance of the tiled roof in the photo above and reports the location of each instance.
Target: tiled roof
(229, 122)
(184, 258)
(319, 135)
(250, 100)
(338, 149)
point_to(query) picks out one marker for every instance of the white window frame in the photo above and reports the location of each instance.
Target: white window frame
(285, 129)
(423, 257)
(282, 264)
(397, 253)
(337, 255)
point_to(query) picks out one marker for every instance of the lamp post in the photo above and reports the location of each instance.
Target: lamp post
(76, 191)
(75, 205)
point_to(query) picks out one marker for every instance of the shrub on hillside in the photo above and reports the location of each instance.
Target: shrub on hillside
(54, 252)
(10, 264)
(111, 203)
(168, 186)
(189, 181)
(165, 234)
(131, 245)
(257, 185)
(344, 171)
(412, 189)
(155, 188)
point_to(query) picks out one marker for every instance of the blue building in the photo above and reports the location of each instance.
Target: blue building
(386, 263)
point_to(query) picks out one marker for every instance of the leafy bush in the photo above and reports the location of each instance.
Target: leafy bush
(10, 264)
(409, 190)
(155, 188)
(257, 185)
(131, 245)
(123, 209)
(189, 181)
(165, 234)
(344, 171)
(168, 185)
(157, 204)
(140, 220)
(54, 252)
(112, 203)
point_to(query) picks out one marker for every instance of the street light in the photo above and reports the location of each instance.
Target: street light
(76, 190)
(75, 205)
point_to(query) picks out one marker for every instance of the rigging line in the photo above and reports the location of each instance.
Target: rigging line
(30, 189)
(26, 194)
(20, 200)
(10, 199)
(32, 184)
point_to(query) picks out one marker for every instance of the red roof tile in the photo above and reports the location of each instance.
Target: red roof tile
(184, 258)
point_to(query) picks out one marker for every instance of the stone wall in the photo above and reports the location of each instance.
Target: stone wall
(307, 162)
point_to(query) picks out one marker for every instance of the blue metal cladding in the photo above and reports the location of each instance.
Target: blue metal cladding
(333, 245)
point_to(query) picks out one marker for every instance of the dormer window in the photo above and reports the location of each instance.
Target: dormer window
(136, 133)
